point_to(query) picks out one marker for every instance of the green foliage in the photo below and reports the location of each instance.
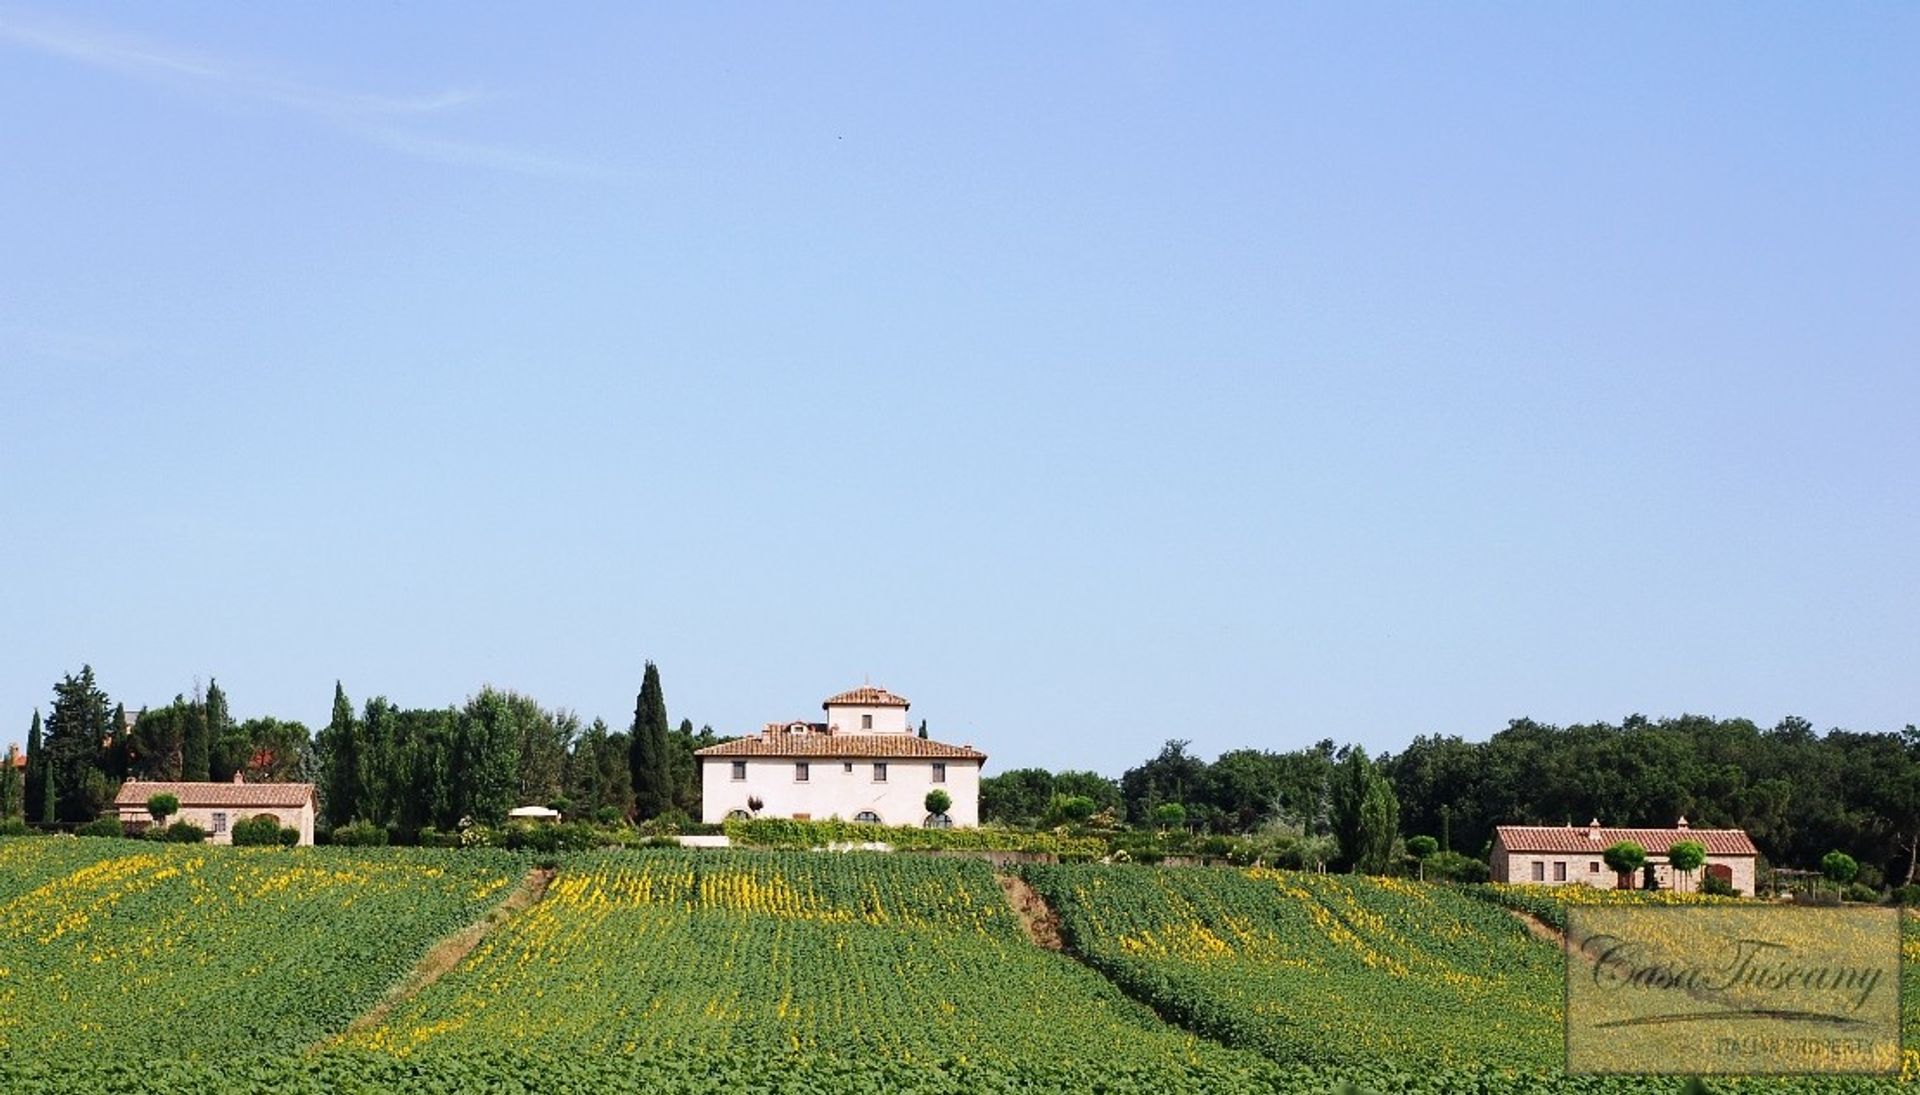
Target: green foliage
(784, 833)
(339, 750)
(196, 742)
(163, 806)
(184, 832)
(1862, 893)
(1454, 867)
(1624, 857)
(1422, 847)
(938, 801)
(1717, 886)
(360, 834)
(1687, 855)
(261, 830)
(651, 757)
(1838, 867)
(104, 825)
(13, 791)
(14, 826)
(39, 781)
(1170, 815)
(77, 726)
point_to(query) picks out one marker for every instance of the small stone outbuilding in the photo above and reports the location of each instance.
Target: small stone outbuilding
(217, 807)
(1558, 855)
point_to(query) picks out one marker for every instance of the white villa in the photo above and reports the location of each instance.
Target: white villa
(1557, 855)
(865, 763)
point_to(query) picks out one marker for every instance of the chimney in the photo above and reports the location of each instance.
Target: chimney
(1593, 830)
(1682, 823)
(239, 776)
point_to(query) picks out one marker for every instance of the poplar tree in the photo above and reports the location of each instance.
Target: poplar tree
(652, 757)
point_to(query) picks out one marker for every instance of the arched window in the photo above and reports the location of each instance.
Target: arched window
(867, 817)
(938, 821)
(739, 815)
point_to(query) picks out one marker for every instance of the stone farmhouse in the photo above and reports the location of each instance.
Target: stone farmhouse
(217, 807)
(1558, 855)
(864, 763)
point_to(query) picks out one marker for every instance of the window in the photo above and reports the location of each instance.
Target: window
(739, 769)
(1539, 871)
(1560, 871)
(219, 822)
(939, 821)
(879, 771)
(799, 771)
(1593, 867)
(867, 817)
(939, 771)
(866, 722)
(847, 766)
(739, 815)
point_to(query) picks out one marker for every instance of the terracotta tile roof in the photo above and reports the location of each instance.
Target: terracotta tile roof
(136, 792)
(866, 696)
(849, 746)
(1576, 841)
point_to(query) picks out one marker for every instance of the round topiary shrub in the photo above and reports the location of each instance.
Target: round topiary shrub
(184, 832)
(361, 834)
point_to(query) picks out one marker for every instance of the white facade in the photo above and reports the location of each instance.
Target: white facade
(864, 763)
(837, 787)
(866, 718)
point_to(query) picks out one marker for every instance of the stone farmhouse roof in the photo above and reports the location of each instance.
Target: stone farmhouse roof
(866, 696)
(136, 792)
(1594, 838)
(842, 746)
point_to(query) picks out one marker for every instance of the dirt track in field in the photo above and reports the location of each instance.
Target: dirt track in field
(450, 951)
(1042, 924)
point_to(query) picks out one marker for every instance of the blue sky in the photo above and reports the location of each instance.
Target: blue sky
(1091, 374)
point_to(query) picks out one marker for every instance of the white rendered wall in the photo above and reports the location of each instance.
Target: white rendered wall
(832, 791)
(886, 720)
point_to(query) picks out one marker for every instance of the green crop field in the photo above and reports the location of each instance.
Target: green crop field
(133, 967)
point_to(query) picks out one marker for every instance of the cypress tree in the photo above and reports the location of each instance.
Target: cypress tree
(923, 729)
(340, 761)
(196, 743)
(652, 758)
(39, 787)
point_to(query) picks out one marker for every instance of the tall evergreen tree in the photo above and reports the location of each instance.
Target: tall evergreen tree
(652, 758)
(1347, 794)
(196, 740)
(39, 787)
(76, 736)
(13, 793)
(340, 753)
(616, 774)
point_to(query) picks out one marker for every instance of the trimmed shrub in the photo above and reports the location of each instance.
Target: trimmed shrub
(361, 834)
(258, 831)
(184, 832)
(1454, 867)
(1719, 887)
(289, 837)
(102, 826)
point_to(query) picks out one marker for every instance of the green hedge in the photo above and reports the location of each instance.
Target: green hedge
(784, 833)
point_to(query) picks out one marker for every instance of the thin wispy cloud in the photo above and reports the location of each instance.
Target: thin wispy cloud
(374, 118)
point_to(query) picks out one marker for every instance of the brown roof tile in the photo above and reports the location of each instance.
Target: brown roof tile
(866, 696)
(136, 792)
(850, 746)
(1575, 839)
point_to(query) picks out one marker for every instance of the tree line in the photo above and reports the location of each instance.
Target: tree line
(1798, 793)
(403, 769)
